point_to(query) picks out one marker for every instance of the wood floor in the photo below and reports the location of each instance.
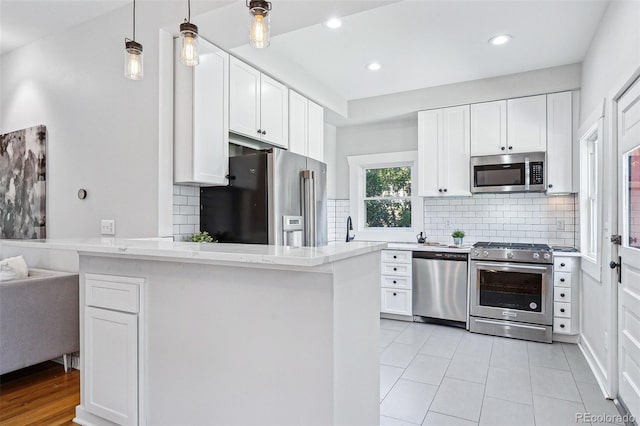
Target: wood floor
(39, 395)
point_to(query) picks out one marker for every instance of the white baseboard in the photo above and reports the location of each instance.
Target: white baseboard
(596, 366)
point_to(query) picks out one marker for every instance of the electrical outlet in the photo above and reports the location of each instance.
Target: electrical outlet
(560, 225)
(108, 227)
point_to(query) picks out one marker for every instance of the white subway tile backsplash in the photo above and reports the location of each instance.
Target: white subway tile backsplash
(186, 211)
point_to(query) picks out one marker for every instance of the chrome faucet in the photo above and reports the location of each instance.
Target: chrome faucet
(349, 228)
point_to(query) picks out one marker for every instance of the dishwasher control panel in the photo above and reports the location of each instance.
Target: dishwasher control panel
(440, 255)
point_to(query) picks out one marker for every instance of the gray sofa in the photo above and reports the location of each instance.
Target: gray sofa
(39, 319)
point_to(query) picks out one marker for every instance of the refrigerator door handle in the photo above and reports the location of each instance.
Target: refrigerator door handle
(309, 208)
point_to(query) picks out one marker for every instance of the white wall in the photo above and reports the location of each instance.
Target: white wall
(374, 138)
(102, 127)
(555, 79)
(613, 51)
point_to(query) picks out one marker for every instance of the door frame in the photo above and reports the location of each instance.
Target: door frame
(610, 250)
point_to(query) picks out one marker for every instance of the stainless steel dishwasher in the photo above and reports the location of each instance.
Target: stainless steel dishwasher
(440, 285)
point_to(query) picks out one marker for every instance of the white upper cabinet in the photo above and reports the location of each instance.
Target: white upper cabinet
(306, 127)
(489, 128)
(201, 118)
(244, 105)
(444, 147)
(559, 143)
(316, 131)
(527, 124)
(274, 111)
(259, 105)
(298, 123)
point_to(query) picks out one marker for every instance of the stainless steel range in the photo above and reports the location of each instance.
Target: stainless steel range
(511, 292)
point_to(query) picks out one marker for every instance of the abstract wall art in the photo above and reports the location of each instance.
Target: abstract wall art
(23, 183)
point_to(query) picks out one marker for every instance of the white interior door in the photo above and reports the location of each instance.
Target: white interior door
(629, 251)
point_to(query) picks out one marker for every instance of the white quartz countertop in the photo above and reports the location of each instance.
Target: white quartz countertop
(421, 247)
(236, 253)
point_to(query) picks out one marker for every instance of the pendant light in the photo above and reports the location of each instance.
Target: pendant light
(260, 23)
(189, 35)
(133, 54)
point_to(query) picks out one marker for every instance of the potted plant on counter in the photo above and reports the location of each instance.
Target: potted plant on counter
(458, 236)
(202, 237)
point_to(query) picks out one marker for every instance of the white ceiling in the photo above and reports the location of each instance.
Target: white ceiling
(24, 21)
(425, 43)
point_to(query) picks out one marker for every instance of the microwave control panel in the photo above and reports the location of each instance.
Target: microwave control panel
(537, 173)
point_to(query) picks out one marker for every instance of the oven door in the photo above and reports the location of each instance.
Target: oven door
(512, 291)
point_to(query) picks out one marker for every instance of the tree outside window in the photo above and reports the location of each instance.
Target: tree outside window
(387, 198)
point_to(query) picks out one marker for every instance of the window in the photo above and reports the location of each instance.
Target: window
(387, 198)
(590, 182)
(383, 203)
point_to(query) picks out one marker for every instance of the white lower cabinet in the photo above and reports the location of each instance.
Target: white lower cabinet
(396, 283)
(110, 350)
(566, 279)
(111, 365)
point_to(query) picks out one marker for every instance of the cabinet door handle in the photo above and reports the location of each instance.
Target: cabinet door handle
(395, 282)
(445, 190)
(503, 148)
(561, 325)
(439, 190)
(259, 131)
(264, 132)
(395, 257)
(510, 147)
(550, 186)
(563, 265)
(394, 294)
(395, 269)
(561, 294)
(561, 280)
(561, 309)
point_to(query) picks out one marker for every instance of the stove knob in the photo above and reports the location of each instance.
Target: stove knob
(476, 252)
(510, 255)
(485, 253)
(547, 256)
(536, 256)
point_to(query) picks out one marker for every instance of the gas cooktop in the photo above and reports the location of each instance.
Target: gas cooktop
(512, 252)
(513, 246)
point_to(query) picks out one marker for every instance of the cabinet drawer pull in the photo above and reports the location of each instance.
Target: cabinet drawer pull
(561, 280)
(561, 294)
(563, 265)
(395, 269)
(561, 309)
(395, 257)
(395, 282)
(395, 294)
(561, 325)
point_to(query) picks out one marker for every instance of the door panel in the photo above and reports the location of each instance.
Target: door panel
(315, 128)
(527, 124)
(274, 112)
(456, 147)
(244, 99)
(559, 143)
(429, 135)
(489, 128)
(298, 123)
(629, 212)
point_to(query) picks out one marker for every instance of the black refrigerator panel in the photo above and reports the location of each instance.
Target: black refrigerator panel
(238, 213)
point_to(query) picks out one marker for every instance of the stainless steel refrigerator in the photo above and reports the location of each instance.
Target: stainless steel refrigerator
(273, 197)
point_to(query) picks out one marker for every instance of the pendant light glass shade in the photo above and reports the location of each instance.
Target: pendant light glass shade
(133, 60)
(133, 64)
(189, 51)
(259, 32)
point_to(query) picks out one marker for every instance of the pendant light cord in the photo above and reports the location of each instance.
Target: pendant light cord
(134, 20)
(188, 10)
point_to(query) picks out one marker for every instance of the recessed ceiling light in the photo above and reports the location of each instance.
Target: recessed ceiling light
(500, 39)
(333, 23)
(374, 66)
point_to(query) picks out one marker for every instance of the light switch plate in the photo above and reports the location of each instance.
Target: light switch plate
(560, 225)
(108, 227)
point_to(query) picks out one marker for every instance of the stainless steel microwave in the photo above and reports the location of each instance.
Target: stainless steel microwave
(508, 173)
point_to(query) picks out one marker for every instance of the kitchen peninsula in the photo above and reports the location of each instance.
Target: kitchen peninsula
(183, 333)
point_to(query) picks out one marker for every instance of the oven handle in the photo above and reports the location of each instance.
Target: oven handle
(531, 327)
(511, 266)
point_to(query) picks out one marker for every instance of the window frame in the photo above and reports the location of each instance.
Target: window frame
(591, 144)
(358, 164)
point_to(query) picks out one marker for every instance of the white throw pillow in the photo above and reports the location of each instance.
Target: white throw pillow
(13, 268)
